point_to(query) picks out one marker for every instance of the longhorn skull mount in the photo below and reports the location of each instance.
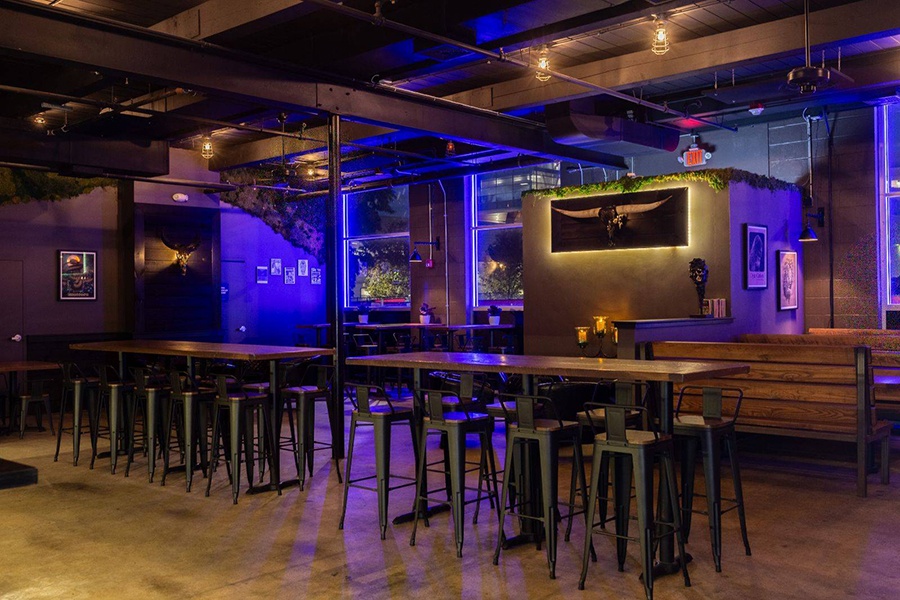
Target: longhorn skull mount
(182, 251)
(614, 217)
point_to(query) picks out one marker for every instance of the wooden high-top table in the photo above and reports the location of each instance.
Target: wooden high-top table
(664, 372)
(195, 350)
(13, 474)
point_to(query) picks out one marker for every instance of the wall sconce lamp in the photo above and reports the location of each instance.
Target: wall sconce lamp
(415, 257)
(600, 328)
(808, 234)
(182, 251)
(660, 43)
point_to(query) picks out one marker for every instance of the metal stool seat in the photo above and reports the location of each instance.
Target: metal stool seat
(634, 451)
(710, 430)
(239, 406)
(373, 407)
(74, 385)
(548, 434)
(35, 393)
(454, 426)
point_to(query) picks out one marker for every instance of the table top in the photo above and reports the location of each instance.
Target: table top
(676, 371)
(13, 366)
(313, 325)
(204, 349)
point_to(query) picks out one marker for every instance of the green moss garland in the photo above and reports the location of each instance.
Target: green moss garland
(718, 179)
(301, 222)
(18, 186)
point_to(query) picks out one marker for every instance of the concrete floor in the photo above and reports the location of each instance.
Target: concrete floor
(93, 535)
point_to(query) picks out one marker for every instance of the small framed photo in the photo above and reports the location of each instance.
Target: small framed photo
(290, 275)
(77, 275)
(756, 275)
(315, 276)
(788, 296)
(262, 274)
(275, 267)
(302, 267)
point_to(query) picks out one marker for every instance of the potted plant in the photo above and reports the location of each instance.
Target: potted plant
(494, 315)
(425, 313)
(362, 313)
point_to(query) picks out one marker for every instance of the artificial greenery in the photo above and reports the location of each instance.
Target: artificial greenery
(299, 221)
(718, 179)
(18, 186)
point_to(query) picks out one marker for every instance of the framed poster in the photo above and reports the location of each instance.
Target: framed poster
(315, 276)
(262, 274)
(290, 275)
(788, 296)
(303, 267)
(275, 267)
(756, 275)
(77, 275)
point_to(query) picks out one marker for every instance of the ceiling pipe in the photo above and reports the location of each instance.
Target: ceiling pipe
(503, 57)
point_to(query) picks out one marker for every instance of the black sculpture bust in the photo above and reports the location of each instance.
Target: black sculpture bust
(699, 274)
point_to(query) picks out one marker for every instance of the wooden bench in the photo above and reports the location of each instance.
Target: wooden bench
(885, 345)
(808, 391)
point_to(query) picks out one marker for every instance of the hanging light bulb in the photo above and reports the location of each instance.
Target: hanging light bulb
(543, 64)
(660, 38)
(206, 148)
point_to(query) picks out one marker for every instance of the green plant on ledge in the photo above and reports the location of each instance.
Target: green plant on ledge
(717, 179)
(18, 186)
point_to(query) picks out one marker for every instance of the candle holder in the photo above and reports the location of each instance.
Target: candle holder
(599, 329)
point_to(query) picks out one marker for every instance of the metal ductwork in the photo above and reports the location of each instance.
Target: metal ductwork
(568, 124)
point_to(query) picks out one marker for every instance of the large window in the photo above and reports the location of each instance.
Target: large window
(497, 231)
(377, 247)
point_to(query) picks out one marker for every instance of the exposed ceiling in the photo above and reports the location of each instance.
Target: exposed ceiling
(410, 76)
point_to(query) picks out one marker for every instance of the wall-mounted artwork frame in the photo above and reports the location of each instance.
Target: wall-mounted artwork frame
(315, 276)
(275, 267)
(302, 267)
(756, 274)
(262, 274)
(290, 275)
(788, 292)
(77, 270)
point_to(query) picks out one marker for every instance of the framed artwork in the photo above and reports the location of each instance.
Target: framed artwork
(756, 275)
(303, 267)
(290, 275)
(788, 296)
(77, 275)
(315, 276)
(262, 274)
(275, 267)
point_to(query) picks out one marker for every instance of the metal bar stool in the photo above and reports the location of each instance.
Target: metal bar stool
(709, 430)
(548, 434)
(74, 385)
(372, 406)
(306, 396)
(114, 391)
(35, 393)
(148, 395)
(194, 401)
(240, 407)
(634, 451)
(453, 427)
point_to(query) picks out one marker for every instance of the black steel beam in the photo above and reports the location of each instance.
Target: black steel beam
(36, 31)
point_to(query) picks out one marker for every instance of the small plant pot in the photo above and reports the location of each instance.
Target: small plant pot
(425, 319)
(363, 318)
(493, 320)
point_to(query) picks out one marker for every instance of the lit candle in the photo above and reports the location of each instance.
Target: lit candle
(600, 325)
(582, 333)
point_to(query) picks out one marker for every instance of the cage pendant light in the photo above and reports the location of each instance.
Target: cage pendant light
(660, 43)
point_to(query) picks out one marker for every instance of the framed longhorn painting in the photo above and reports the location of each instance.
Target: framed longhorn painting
(653, 219)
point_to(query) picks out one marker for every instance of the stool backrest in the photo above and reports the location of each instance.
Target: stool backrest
(140, 380)
(431, 403)
(362, 396)
(527, 409)
(616, 419)
(108, 374)
(712, 399)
